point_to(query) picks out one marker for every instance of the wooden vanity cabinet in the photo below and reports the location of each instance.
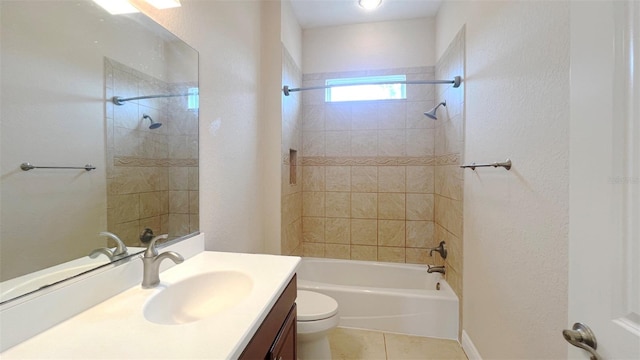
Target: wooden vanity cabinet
(276, 336)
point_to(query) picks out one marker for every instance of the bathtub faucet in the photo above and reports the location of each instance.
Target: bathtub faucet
(438, 269)
(440, 249)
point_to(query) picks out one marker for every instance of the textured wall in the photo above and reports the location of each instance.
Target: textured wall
(515, 222)
(231, 172)
(373, 46)
(291, 32)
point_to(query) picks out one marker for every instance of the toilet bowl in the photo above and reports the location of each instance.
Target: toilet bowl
(317, 314)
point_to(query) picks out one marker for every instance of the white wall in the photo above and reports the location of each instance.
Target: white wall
(371, 46)
(291, 32)
(271, 124)
(227, 35)
(280, 28)
(451, 16)
(516, 222)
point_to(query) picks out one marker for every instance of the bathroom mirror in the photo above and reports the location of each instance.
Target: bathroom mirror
(130, 169)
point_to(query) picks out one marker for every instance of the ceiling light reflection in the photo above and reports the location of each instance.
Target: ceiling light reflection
(116, 7)
(369, 4)
(164, 4)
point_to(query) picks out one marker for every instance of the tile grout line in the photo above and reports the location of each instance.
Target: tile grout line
(386, 353)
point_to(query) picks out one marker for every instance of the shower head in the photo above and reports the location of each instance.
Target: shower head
(154, 125)
(432, 113)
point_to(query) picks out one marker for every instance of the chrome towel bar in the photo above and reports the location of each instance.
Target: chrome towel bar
(505, 164)
(26, 167)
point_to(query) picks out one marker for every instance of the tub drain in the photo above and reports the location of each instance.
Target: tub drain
(438, 286)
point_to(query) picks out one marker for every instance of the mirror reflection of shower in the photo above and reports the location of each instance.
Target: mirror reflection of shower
(153, 125)
(432, 113)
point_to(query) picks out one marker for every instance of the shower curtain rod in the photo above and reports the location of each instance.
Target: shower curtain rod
(120, 100)
(456, 83)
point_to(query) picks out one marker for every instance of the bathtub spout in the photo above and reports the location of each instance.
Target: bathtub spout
(438, 269)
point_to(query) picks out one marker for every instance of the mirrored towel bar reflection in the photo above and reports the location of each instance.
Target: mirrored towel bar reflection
(27, 166)
(118, 100)
(505, 164)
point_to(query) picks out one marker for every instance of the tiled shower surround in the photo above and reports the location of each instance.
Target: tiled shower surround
(152, 174)
(380, 181)
(291, 222)
(368, 173)
(449, 150)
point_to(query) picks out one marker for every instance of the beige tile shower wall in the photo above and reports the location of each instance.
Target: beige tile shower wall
(368, 173)
(449, 147)
(152, 174)
(291, 140)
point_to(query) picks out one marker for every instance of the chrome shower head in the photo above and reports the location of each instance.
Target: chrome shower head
(154, 125)
(432, 113)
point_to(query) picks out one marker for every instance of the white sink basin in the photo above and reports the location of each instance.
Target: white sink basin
(198, 297)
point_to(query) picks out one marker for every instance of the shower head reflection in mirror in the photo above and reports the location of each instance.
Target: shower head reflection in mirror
(153, 125)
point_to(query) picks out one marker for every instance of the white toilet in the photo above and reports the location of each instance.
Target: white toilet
(317, 314)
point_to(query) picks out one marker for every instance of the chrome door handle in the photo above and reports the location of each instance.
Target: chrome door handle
(581, 336)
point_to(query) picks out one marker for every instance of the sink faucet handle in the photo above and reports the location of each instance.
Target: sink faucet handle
(151, 248)
(151, 262)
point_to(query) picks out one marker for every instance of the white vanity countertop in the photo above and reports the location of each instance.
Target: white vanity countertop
(117, 328)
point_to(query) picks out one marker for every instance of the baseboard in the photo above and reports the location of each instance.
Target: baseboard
(469, 348)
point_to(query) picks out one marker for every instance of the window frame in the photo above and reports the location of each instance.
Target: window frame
(383, 80)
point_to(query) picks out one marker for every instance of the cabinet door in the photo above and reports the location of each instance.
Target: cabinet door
(284, 347)
(262, 344)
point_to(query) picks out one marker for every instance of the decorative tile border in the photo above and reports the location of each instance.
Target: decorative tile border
(144, 162)
(366, 160)
(449, 159)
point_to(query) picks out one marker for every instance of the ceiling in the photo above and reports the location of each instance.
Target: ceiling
(319, 13)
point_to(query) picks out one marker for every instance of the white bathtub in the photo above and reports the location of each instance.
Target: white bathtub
(399, 298)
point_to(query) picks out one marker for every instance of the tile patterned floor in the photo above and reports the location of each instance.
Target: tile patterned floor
(352, 344)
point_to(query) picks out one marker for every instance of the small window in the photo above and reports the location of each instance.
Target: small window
(193, 100)
(367, 88)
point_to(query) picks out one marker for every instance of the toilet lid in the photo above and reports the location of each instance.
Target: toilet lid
(315, 306)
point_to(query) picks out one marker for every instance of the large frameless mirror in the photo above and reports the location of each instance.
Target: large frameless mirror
(80, 171)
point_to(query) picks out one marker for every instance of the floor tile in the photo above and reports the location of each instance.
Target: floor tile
(351, 344)
(405, 347)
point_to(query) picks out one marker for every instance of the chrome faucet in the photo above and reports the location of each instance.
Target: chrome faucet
(438, 269)
(439, 249)
(119, 251)
(151, 261)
